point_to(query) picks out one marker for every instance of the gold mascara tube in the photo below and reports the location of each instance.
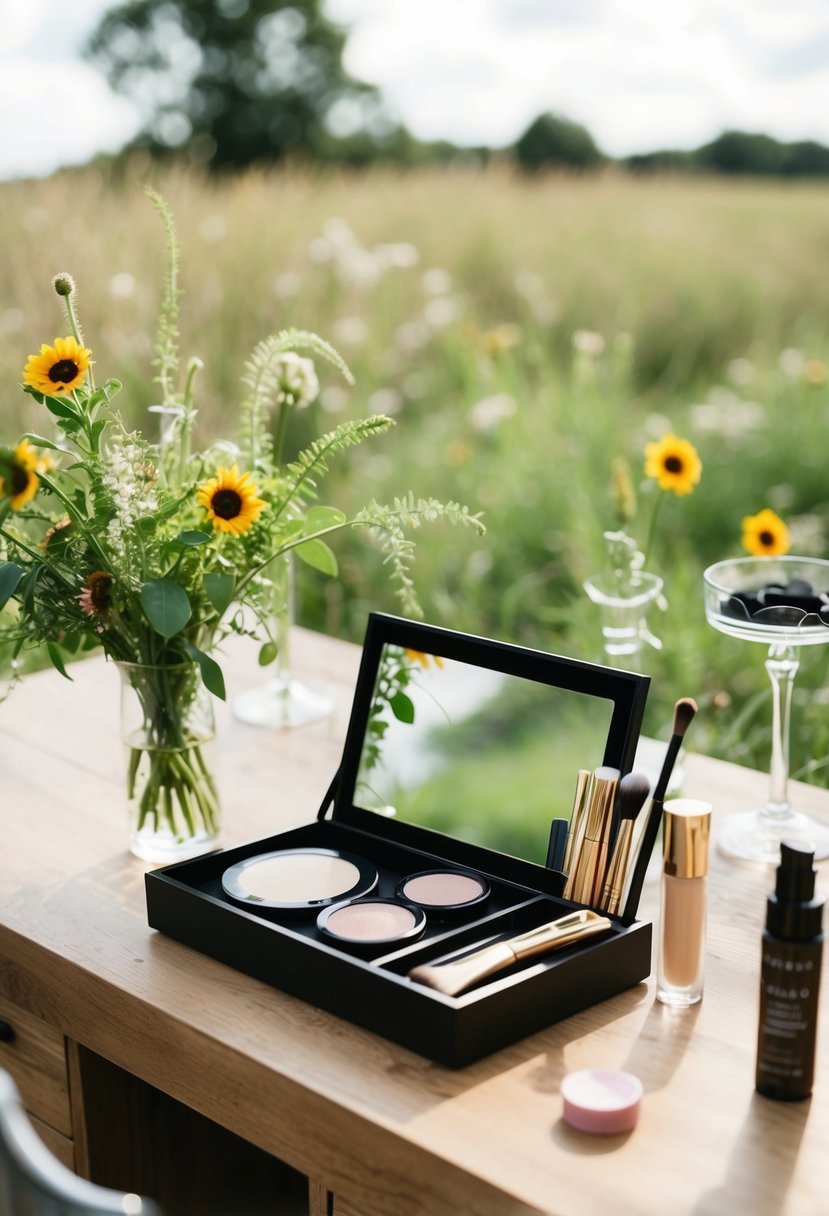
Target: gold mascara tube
(576, 819)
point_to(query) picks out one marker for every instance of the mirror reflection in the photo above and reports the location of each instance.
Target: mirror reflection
(486, 757)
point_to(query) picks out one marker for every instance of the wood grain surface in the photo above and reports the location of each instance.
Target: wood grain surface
(390, 1133)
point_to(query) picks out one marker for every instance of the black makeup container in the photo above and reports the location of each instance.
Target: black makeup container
(368, 983)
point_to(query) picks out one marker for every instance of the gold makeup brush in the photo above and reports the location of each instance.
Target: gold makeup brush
(586, 879)
(684, 712)
(633, 792)
(452, 978)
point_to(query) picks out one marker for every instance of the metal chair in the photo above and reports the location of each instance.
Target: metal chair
(34, 1183)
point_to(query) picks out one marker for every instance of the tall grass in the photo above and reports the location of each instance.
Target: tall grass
(710, 299)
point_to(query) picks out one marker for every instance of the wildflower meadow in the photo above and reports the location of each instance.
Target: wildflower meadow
(531, 342)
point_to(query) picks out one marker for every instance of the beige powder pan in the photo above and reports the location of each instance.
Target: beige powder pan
(298, 880)
(366, 924)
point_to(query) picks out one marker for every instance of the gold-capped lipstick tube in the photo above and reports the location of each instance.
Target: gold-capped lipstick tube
(586, 882)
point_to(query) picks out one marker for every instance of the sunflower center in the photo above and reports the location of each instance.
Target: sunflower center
(63, 371)
(673, 464)
(226, 504)
(766, 538)
(20, 479)
(100, 586)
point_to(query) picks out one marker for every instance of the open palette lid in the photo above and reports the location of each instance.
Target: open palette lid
(464, 746)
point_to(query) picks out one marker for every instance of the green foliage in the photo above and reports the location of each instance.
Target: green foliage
(230, 84)
(552, 141)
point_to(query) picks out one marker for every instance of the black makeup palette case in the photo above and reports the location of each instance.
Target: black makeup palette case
(188, 902)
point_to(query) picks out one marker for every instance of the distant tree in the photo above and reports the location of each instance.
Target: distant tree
(668, 160)
(552, 140)
(743, 152)
(231, 82)
(806, 159)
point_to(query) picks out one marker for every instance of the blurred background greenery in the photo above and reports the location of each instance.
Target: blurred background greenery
(525, 329)
(523, 335)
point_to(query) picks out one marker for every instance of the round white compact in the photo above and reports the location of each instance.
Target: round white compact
(293, 880)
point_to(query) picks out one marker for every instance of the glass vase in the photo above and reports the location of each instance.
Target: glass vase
(168, 728)
(624, 606)
(283, 701)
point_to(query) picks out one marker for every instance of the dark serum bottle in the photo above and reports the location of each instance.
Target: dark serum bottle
(790, 979)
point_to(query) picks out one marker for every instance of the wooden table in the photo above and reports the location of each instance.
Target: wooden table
(149, 1064)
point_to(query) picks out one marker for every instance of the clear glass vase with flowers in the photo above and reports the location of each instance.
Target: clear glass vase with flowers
(155, 552)
(625, 589)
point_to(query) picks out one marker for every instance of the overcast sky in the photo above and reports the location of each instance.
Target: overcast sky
(640, 74)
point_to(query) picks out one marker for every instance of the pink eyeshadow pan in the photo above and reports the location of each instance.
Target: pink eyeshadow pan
(443, 889)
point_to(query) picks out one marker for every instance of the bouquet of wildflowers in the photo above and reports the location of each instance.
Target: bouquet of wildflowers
(155, 551)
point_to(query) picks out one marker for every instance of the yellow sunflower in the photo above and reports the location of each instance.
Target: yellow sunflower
(417, 656)
(765, 534)
(22, 475)
(230, 500)
(59, 368)
(674, 463)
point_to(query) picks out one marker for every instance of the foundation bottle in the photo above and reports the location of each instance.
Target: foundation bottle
(681, 967)
(790, 979)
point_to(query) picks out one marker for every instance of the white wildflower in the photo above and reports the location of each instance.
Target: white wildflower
(385, 401)
(295, 380)
(486, 414)
(436, 282)
(742, 372)
(350, 331)
(213, 228)
(442, 311)
(334, 399)
(122, 285)
(792, 363)
(588, 342)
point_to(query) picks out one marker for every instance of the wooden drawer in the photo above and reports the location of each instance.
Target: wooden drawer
(34, 1053)
(60, 1146)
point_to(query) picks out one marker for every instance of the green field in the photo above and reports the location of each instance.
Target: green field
(455, 298)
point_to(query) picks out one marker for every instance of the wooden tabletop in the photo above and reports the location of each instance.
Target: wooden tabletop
(388, 1131)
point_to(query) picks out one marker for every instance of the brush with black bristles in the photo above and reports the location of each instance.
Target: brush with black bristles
(684, 712)
(633, 793)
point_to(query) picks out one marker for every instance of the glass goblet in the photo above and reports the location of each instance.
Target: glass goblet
(783, 603)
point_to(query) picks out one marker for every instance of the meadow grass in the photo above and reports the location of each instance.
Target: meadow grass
(455, 297)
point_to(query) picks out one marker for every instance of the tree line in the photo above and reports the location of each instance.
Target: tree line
(229, 83)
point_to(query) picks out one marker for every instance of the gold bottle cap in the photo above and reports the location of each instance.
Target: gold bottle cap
(687, 826)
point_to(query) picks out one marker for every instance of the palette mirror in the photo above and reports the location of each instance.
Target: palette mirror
(484, 745)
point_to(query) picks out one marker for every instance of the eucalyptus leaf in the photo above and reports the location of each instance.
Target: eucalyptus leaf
(317, 554)
(190, 539)
(26, 589)
(10, 576)
(320, 518)
(165, 605)
(57, 659)
(268, 653)
(402, 707)
(40, 442)
(60, 409)
(219, 589)
(211, 672)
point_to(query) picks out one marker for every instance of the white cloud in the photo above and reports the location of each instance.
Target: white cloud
(60, 115)
(640, 73)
